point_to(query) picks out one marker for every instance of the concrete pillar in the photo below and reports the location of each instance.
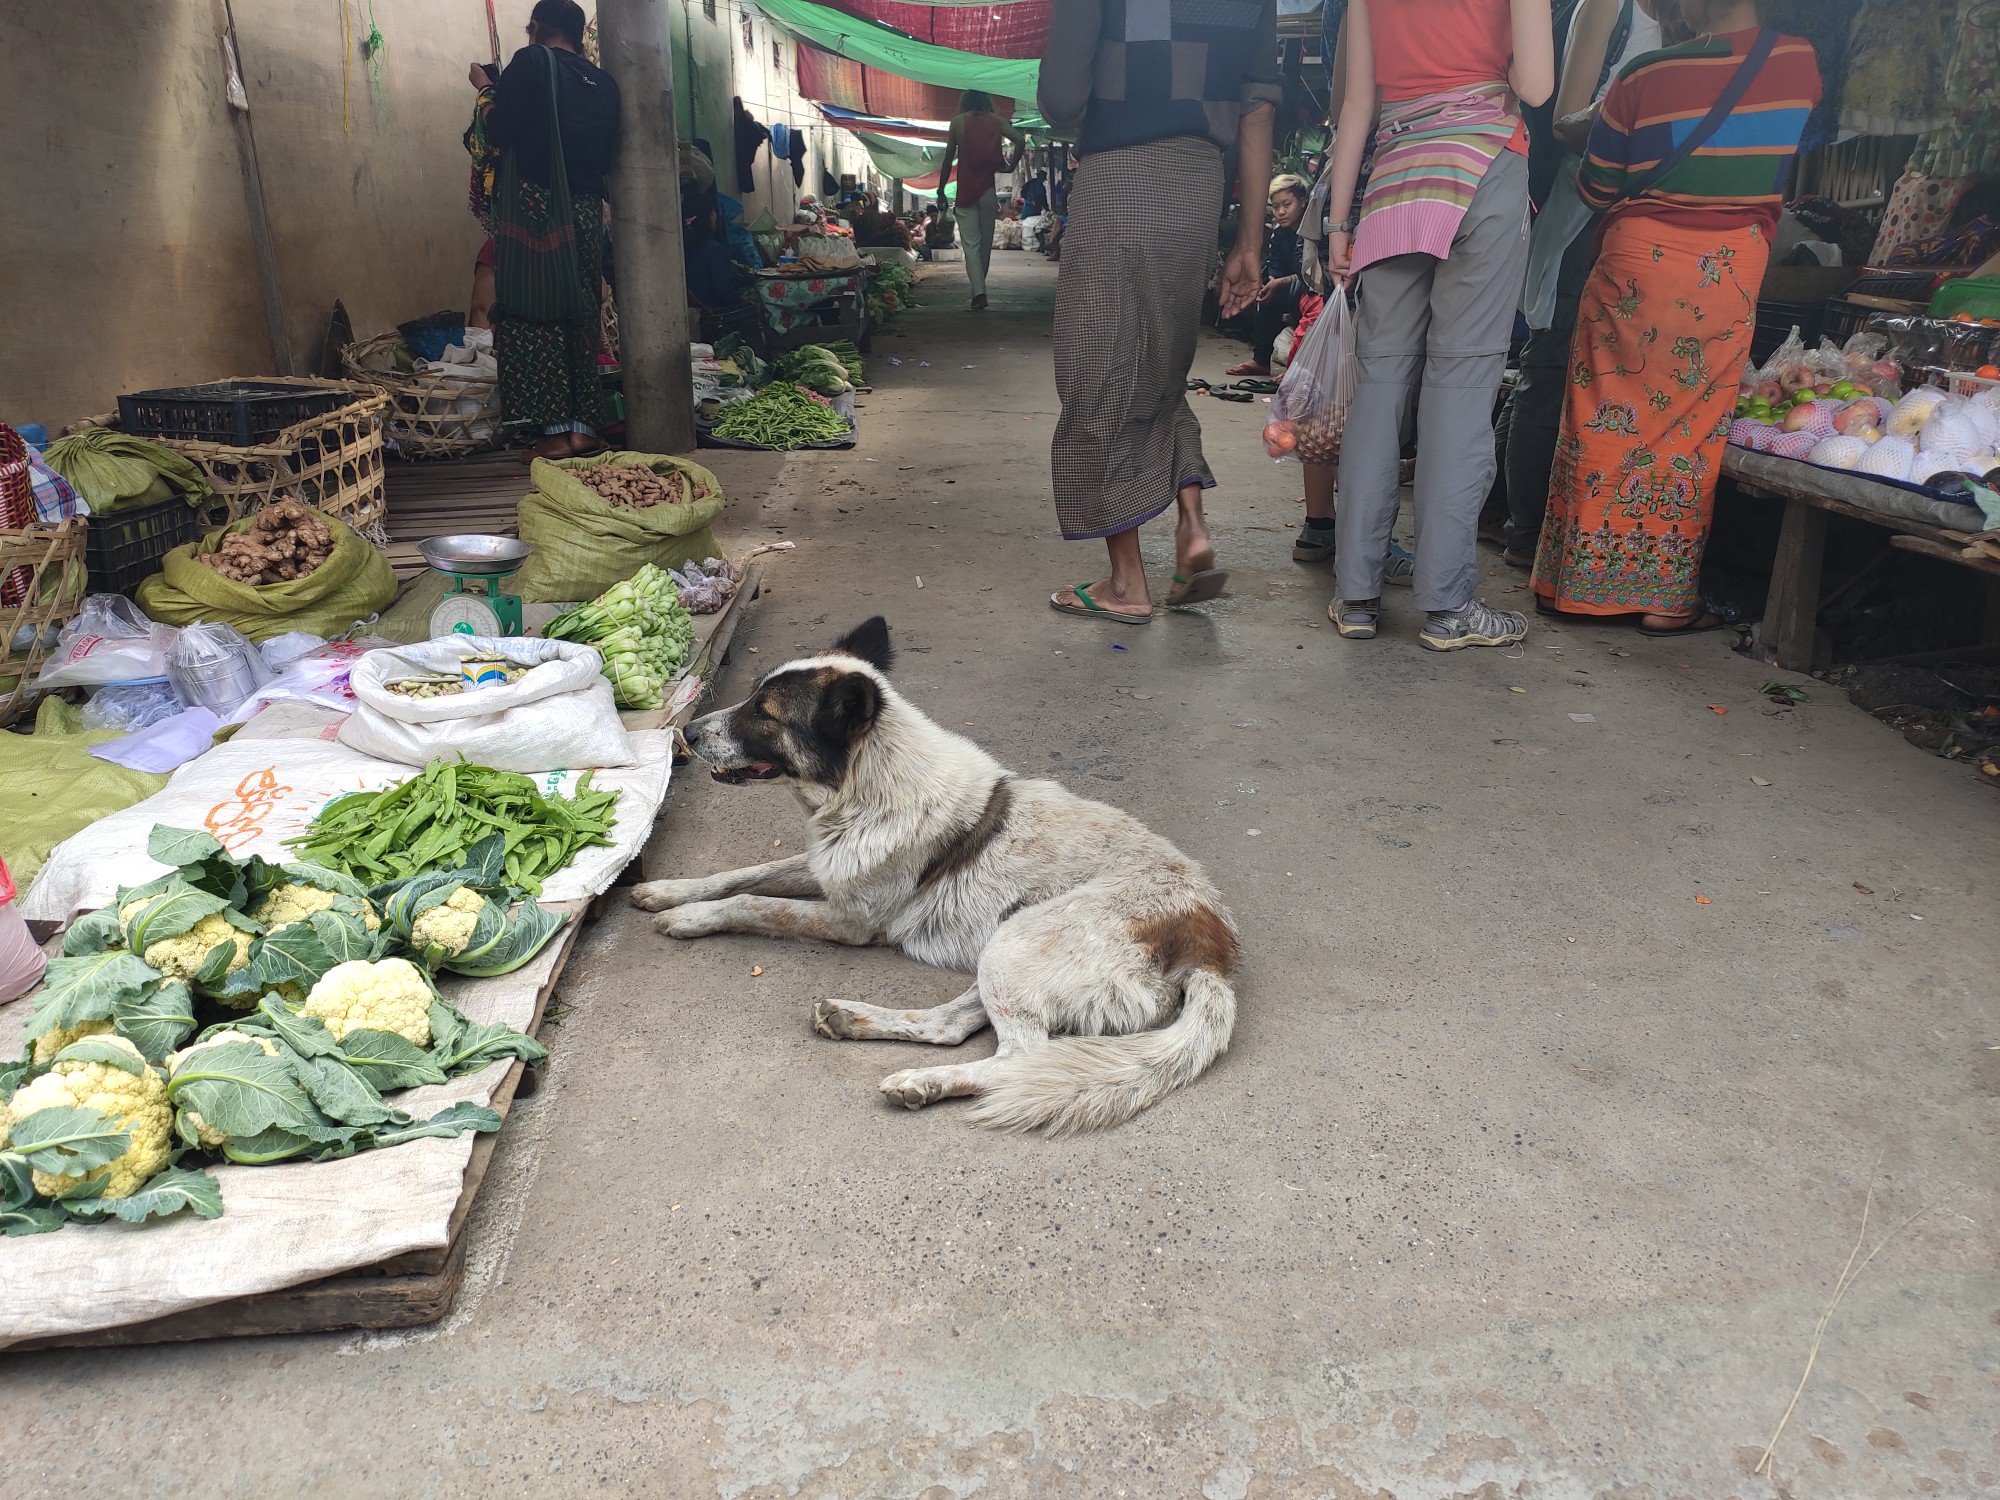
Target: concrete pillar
(636, 45)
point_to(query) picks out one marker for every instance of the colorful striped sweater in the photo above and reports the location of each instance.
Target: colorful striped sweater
(1737, 177)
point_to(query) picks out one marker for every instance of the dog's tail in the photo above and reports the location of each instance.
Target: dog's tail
(1078, 1083)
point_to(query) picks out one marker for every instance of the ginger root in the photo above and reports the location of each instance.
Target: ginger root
(288, 540)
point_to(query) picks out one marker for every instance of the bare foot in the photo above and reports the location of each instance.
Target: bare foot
(1194, 551)
(1104, 594)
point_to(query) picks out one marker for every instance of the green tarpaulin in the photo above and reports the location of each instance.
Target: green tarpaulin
(909, 160)
(878, 46)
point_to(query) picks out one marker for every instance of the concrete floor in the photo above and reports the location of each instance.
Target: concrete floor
(1530, 1173)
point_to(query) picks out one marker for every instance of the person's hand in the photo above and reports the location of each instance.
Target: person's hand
(1339, 256)
(1242, 275)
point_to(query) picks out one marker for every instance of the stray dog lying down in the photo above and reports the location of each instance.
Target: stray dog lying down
(1102, 953)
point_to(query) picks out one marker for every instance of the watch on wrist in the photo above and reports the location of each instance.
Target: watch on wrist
(1343, 227)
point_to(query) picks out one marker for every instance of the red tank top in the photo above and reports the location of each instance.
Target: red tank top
(980, 155)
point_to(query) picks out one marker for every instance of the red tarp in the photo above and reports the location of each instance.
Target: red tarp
(1013, 30)
(833, 79)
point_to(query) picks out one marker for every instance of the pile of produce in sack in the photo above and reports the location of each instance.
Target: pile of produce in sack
(782, 416)
(557, 714)
(644, 631)
(114, 472)
(309, 996)
(436, 820)
(237, 575)
(814, 367)
(1845, 409)
(584, 543)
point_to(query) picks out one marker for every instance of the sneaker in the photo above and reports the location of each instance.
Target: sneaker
(1401, 568)
(1478, 624)
(1355, 618)
(1314, 544)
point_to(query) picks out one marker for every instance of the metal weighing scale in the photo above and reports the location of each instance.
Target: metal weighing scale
(488, 560)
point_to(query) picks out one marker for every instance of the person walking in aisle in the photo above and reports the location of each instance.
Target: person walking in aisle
(1440, 249)
(976, 146)
(1157, 97)
(1604, 35)
(1689, 159)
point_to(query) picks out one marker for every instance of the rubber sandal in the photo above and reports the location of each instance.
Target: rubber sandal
(1205, 585)
(1359, 629)
(1227, 395)
(1257, 385)
(1701, 624)
(1091, 609)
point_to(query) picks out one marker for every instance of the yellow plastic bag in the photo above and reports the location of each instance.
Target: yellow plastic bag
(352, 584)
(584, 544)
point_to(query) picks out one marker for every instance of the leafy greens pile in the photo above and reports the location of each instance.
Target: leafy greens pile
(103, 1110)
(642, 630)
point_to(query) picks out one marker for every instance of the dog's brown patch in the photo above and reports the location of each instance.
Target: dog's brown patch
(1197, 939)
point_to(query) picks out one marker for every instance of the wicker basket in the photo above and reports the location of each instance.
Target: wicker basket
(45, 550)
(433, 415)
(331, 462)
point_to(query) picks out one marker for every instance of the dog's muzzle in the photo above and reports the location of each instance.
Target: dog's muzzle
(757, 770)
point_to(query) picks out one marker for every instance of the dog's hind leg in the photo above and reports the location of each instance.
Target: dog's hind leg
(913, 1088)
(781, 877)
(943, 1025)
(767, 916)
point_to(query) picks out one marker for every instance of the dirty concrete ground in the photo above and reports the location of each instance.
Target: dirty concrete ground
(1580, 1021)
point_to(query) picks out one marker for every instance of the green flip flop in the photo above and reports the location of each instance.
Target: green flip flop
(1205, 585)
(1091, 609)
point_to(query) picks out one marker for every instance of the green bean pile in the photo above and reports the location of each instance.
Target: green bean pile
(781, 416)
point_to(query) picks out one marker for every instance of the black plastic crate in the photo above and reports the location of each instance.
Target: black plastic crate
(240, 413)
(1775, 321)
(124, 548)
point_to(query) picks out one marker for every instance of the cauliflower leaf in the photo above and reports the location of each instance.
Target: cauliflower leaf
(169, 1193)
(87, 987)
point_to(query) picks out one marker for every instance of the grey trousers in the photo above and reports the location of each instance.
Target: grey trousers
(1444, 323)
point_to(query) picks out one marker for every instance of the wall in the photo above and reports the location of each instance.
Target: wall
(127, 261)
(768, 83)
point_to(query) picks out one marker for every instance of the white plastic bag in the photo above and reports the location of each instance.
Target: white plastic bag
(559, 716)
(131, 708)
(319, 677)
(110, 640)
(1310, 408)
(213, 664)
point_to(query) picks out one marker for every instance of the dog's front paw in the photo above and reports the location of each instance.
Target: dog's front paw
(913, 1088)
(837, 1019)
(659, 895)
(693, 921)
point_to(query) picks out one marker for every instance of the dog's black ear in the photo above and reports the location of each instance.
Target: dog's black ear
(847, 708)
(870, 641)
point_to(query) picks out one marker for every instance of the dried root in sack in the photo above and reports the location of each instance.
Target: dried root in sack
(287, 540)
(634, 487)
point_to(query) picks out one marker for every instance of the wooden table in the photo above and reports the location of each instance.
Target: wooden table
(1786, 636)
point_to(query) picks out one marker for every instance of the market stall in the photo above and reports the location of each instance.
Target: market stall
(304, 848)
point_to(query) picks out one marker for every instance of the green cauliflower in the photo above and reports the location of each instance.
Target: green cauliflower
(181, 957)
(208, 1134)
(449, 924)
(135, 1102)
(50, 1043)
(390, 994)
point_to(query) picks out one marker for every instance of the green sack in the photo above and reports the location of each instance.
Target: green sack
(352, 584)
(52, 786)
(584, 544)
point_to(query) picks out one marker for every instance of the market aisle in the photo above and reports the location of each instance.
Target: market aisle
(1571, 1043)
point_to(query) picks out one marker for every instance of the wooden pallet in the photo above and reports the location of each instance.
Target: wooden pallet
(417, 1288)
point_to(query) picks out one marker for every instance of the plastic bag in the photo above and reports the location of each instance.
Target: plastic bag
(212, 665)
(108, 641)
(1310, 407)
(21, 958)
(320, 677)
(560, 716)
(128, 708)
(280, 651)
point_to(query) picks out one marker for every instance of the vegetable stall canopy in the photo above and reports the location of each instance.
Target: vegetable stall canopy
(1017, 29)
(878, 46)
(910, 160)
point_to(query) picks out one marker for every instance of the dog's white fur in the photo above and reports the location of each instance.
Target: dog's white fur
(1102, 953)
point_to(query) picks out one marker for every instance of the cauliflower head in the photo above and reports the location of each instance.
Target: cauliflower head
(449, 924)
(294, 902)
(137, 1103)
(180, 957)
(50, 1043)
(390, 994)
(210, 1136)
